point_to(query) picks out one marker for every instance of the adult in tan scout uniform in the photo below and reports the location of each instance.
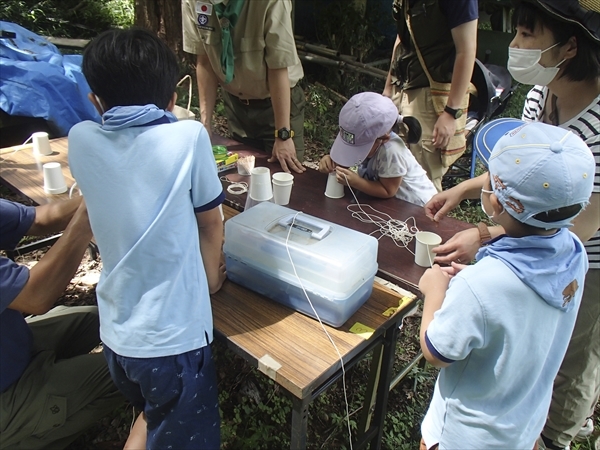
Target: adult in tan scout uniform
(248, 48)
(431, 68)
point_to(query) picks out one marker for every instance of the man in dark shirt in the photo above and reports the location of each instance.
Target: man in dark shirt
(445, 32)
(51, 387)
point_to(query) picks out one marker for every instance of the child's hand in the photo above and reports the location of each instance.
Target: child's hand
(346, 176)
(453, 269)
(221, 277)
(326, 165)
(434, 280)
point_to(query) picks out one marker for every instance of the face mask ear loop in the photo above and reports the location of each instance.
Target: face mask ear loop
(99, 104)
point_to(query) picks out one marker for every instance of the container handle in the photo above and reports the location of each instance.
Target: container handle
(318, 229)
(189, 80)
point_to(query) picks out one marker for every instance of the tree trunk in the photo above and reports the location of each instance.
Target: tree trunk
(164, 18)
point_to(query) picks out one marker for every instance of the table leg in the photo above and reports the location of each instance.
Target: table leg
(299, 423)
(370, 393)
(383, 387)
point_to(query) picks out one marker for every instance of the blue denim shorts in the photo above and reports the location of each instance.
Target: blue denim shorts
(177, 393)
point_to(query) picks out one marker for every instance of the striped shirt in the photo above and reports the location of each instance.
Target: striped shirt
(587, 126)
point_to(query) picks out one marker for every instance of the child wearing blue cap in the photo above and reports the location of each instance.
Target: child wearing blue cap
(500, 328)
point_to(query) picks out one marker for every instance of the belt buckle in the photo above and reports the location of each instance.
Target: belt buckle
(245, 101)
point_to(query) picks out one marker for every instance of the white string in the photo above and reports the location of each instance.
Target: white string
(322, 326)
(401, 232)
(235, 187)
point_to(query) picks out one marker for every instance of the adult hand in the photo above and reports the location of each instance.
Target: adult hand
(346, 176)
(441, 204)
(444, 129)
(460, 248)
(285, 153)
(326, 165)
(434, 280)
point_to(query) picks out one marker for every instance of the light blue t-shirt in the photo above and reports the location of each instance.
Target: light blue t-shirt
(393, 159)
(141, 185)
(506, 325)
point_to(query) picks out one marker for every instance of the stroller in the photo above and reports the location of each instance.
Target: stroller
(494, 91)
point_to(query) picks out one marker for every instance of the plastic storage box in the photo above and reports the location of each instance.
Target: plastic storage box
(334, 264)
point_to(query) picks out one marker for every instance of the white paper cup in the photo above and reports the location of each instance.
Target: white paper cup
(425, 241)
(54, 180)
(41, 143)
(260, 184)
(333, 188)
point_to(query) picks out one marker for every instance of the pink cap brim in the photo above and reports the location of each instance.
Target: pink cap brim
(348, 155)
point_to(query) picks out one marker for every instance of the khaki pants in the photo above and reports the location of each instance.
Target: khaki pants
(64, 389)
(418, 103)
(577, 385)
(254, 123)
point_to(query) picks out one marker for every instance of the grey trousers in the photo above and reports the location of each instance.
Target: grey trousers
(64, 390)
(577, 385)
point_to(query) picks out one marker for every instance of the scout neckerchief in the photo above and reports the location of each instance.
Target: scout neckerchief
(228, 16)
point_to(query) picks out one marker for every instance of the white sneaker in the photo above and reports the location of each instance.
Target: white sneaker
(586, 430)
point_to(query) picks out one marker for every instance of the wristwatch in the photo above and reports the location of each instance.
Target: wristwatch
(456, 113)
(284, 133)
(484, 233)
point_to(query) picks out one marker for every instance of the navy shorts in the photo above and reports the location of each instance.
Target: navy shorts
(177, 393)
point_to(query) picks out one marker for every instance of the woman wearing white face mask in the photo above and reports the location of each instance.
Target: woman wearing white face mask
(557, 49)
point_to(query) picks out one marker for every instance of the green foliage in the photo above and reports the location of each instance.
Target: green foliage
(341, 26)
(321, 116)
(68, 18)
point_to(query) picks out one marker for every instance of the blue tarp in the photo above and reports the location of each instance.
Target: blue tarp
(36, 80)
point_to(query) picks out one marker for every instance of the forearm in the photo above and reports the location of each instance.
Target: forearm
(587, 223)
(374, 188)
(53, 217)
(465, 38)
(210, 231)
(208, 84)
(471, 188)
(279, 88)
(49, 277)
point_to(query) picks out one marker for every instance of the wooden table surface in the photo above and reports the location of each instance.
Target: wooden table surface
(22, 171)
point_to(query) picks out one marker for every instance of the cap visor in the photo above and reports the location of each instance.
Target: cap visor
(348, 155)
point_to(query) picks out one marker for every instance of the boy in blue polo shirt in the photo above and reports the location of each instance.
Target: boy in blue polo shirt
(500, 328)
(152, 192)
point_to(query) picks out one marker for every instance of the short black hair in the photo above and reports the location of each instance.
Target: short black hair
(586, 64)
(131, 67)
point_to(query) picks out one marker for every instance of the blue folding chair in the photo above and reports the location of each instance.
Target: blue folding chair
(495, 128)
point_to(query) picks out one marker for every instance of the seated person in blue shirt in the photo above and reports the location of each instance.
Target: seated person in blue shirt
(51, 387)
(152, 191)
(386, 167)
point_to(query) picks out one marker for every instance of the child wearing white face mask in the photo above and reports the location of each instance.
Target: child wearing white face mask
(566, 94)
(497, 371)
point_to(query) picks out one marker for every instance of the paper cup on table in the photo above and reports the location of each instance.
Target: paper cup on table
(333, 188)
(425, 241)
(260, 184)
(282, 187)
(41, 143)
(54, 181)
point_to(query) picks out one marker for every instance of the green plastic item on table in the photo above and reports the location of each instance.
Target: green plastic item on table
(219, 151)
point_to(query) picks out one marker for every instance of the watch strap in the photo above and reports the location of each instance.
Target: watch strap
(484, 233)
